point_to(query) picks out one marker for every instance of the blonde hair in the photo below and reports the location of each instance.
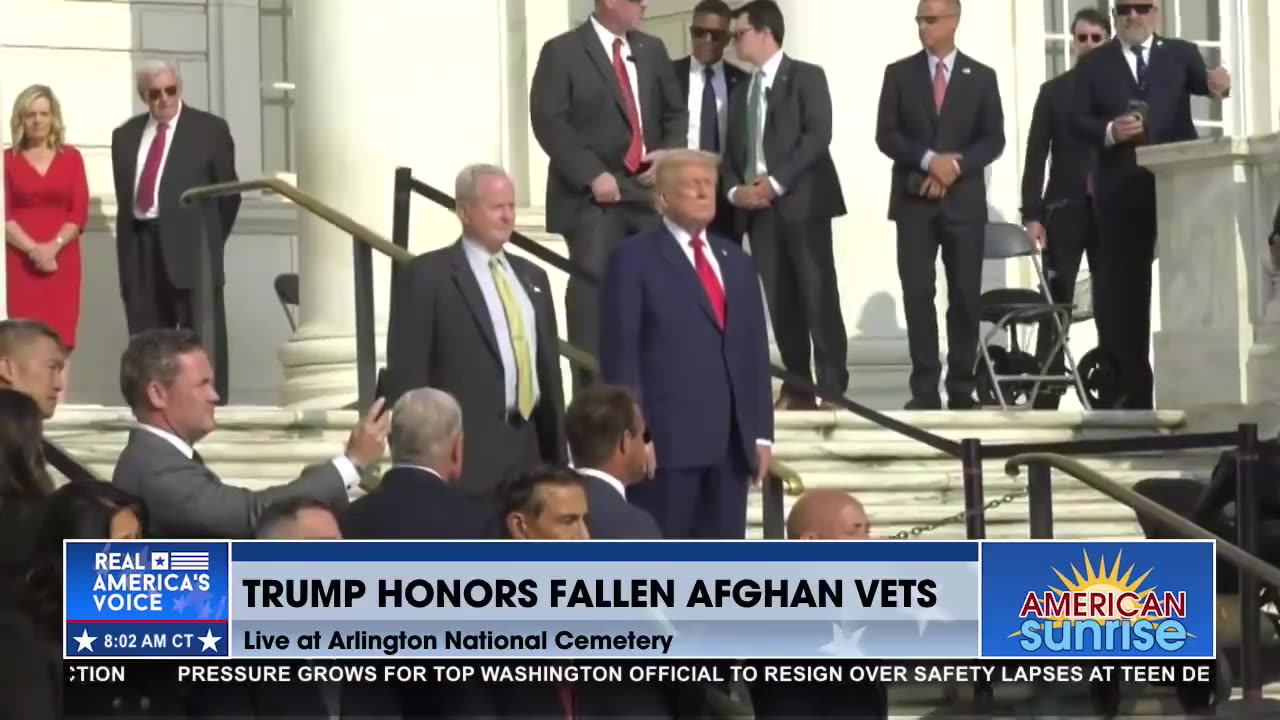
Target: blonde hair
(22, 105)
(671, 162)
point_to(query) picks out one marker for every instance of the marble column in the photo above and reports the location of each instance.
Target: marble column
(374, 93)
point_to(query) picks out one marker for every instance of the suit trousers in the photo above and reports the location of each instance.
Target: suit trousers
(152, 301)
(1123, 310)
(698, 503)
(599, 231)
(919, 238)
(1072, 233)
(797, 266)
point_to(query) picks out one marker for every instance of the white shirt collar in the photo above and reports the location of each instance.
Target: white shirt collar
(480, 255)
(173, 440)
(1145, 45)
(770, 66)
(697, 68)
(681, 235)
(606, 35)
(948, 61)
(614, 482)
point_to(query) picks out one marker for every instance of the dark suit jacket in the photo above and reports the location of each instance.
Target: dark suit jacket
(908, 125)
(413, 504)
(20, 520)
(1175, 71)
(611, 517)
(185, 499)
(797, 143)
(201, 153)
(699, 386)
(440, 335)
(1052, 138)
(580, 119)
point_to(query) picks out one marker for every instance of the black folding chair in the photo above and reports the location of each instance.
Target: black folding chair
(287, 293)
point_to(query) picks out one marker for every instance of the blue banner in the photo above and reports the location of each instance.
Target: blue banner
(1067, 599)
(146, 599)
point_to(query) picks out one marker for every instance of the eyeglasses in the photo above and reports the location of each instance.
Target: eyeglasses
(698, 33)
(1131, 8)
(156, 93)
(1089, 37)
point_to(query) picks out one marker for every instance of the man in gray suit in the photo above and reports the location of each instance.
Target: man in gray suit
(603, 99)
(167, 381)
(479, 324)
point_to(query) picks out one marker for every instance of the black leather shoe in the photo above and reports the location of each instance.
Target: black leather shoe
(915, 403)
(962, 402)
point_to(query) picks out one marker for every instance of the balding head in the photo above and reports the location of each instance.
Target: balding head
(426, 430)
(828, 514)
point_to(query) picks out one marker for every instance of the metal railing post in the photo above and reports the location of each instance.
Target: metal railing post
(975, 521)
(771, 499)
(401, 203)
(366, 338)
(204, 319)
(1040, 501)
(1247, 539)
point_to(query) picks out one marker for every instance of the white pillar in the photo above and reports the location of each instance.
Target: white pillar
(817, 31)
(373, 95)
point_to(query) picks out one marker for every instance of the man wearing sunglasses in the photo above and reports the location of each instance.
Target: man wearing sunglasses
(708, 82)
(1065, 205)
(155, 157)
(1135, 91)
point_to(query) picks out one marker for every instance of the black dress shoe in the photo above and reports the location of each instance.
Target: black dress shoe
(962, 402)
(923, 404)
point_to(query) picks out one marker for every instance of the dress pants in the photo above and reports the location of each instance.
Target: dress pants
(599, 231)
(797, 266)
(919, 238)
(152, 301)
(1127, 249)
(1072, 233)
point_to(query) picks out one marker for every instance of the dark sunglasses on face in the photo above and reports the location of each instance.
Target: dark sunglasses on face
(157, 93)
(1139, 8)
(698, 33)
(1089, 37)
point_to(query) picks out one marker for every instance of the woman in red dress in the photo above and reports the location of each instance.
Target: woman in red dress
(46, 206)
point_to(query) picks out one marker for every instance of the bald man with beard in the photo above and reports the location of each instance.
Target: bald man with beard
(826, 514)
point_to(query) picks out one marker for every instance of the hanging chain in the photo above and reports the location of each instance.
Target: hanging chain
(919, 530)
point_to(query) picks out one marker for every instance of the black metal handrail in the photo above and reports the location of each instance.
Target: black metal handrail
(62, 461)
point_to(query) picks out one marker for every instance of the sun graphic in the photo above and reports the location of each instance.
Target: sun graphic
(1106, 582)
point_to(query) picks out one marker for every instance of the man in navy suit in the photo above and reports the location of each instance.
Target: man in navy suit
(682, 325)
(611, 449)
(1135, 90)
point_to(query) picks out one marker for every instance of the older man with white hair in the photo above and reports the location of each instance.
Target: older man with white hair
(479, 323)
(155, 157)
(419, 497)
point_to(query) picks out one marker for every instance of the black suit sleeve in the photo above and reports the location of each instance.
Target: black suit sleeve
(1197, 70)
(889, 136)
(549, 101)
(990, 141)
(1087, 124)
(675, 103)
(410, 332)
(223, 170)
(551, 389)
(1038, 138)
(815, 127)
(731, 172)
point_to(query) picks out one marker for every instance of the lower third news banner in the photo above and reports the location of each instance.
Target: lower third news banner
(956, 602)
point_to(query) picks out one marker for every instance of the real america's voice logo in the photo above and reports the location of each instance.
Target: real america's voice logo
(133, 582)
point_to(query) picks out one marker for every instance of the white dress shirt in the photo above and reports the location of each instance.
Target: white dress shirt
(1131, 59)
(144, 148)
(478, 258)
(346, 468)
(683, 237)
(719, 84)
(606, 38)
(948, 65)
(613, 482)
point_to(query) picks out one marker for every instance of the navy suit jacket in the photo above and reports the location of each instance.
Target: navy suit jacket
(706, 393)
(611, 517)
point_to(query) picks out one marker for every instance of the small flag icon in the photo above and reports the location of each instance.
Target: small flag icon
(186, 561)
(159, 561)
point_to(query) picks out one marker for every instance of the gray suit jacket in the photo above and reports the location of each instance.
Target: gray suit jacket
(184, 499)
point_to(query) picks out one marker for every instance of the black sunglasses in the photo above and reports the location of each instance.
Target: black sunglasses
(1089, 37)
(1131, 8)
(698, 33)
(156, 93)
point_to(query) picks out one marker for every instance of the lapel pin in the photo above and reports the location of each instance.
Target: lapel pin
(964, 70)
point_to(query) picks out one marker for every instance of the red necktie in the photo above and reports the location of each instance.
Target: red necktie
(939, 85)
(635, 151)
(151, 169)
(710, 283)
(566, 700)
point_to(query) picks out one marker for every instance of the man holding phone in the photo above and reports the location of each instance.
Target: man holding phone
(1135, 90)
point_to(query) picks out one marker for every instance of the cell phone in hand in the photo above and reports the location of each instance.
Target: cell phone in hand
(1139, 108)
(380, 390)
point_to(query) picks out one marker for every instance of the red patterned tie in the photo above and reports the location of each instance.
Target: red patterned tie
(939, 85)
(636, 150)
(151, 169)
(710, 283)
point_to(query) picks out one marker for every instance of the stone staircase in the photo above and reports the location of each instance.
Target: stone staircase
(902, 483)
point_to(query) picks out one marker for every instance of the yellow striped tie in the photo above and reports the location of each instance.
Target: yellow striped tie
(519, 341)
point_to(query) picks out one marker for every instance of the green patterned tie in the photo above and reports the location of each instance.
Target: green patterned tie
(753, 125)
(519, 340)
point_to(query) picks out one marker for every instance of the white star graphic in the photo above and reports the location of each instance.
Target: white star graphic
(84, 641)
(208, 641)
(844, 643)
(924, 616)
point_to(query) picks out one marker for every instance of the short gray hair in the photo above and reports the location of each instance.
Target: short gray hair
(149, 69)
(424, 425)
(672, 161)
(464, 187)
